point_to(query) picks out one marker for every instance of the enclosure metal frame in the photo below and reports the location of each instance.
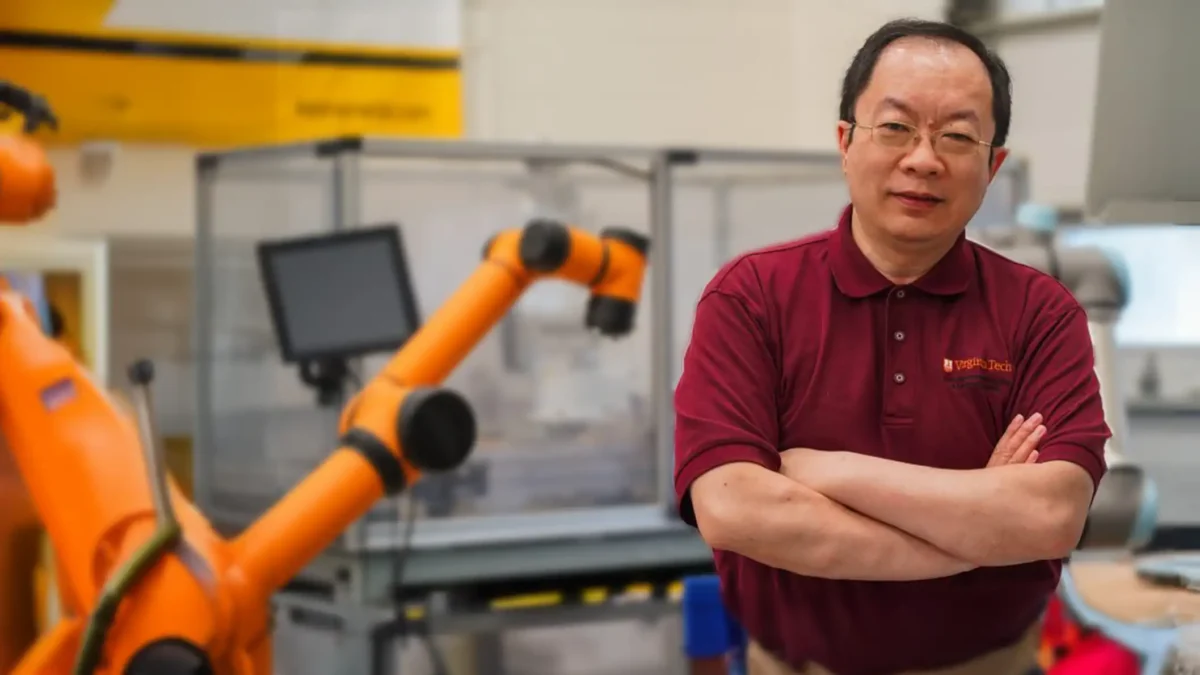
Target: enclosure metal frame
(517, 545)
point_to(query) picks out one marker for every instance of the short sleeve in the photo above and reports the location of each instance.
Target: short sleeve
(725, 403)
(1057, 378)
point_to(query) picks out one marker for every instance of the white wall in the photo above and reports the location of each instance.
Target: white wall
(713, 72)
(726, 72)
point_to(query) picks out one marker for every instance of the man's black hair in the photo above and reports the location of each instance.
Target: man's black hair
(858, 75)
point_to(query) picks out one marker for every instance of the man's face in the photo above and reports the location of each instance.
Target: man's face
(918, 193)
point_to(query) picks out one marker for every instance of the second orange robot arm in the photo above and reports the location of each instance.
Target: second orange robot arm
(401, 424)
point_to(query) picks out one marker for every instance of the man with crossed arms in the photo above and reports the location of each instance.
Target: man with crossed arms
(889, 435)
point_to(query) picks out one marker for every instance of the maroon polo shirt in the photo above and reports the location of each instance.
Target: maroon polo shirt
(805, 344)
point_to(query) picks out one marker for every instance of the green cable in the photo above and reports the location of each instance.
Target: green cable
(102, 616)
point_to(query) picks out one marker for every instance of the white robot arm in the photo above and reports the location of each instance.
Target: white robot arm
(1125, 509)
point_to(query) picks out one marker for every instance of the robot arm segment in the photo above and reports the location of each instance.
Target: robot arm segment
(34, 108)
(81, 460)
(27, 188)
(402, 424)
(1124, 509)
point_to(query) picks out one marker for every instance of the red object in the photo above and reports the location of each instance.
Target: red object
(1097, 655)
(805, 344)
(1069, 649)
(1060, 635)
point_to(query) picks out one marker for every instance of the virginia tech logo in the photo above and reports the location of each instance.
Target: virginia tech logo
(977, 373)
(976, 365)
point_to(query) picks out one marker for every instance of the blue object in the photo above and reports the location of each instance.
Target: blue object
(708, 629)
(1147, 518)
(1037, 217)
(706, 624)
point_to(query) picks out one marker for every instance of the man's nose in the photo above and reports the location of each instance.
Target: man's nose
(922, 158)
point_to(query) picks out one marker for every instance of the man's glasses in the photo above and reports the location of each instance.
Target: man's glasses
(901, 135)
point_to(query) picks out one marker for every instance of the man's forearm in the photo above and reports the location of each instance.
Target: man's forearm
(781, 523)
(996, 516)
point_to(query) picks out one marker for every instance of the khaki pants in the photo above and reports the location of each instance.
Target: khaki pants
(1016, 659)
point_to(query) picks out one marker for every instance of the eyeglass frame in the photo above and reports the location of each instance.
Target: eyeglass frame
(916, 133)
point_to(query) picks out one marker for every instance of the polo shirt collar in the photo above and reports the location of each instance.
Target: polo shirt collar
(857, 277)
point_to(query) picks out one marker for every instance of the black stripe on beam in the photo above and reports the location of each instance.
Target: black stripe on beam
(217, 52)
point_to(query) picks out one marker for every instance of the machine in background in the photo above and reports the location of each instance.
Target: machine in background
(192, 602)
(1144, 602)
(1124, 511)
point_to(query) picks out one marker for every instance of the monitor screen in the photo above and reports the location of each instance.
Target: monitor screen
(339, 295)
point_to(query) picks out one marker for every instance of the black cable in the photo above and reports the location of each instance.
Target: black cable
(400, 560)
(399, 563)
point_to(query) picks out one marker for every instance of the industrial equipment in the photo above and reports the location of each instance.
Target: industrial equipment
(149, 585)
(1125, 507)
(335, 297)
(27, 178)
(1145, 602)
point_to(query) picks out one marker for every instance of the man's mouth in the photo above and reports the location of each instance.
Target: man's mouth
(913, 198)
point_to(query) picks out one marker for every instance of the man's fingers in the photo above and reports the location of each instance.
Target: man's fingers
(1016, 444)
(1002, 453)
(1033, 456)
(1025, 431)
(1028, 445)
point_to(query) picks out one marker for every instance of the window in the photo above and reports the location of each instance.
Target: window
(1027, 7)
(1164, 299)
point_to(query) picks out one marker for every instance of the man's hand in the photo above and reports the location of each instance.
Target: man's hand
(1019, 443)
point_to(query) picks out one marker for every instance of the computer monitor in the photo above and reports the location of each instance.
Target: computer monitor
(340, 295)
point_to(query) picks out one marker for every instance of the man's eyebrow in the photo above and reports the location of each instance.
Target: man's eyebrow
(893, 102)
(968, 115)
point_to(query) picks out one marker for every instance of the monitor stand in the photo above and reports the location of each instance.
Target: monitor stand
(328, 377)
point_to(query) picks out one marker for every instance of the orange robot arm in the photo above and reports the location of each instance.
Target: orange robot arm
(27, 188)
(189, 602)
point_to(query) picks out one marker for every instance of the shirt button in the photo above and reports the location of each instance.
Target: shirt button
(900, 294)
(899, 378)
(899, 335)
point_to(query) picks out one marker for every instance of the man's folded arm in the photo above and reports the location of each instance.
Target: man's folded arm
(727, 462)
(1001, 515)
(748, 509)
(996, 516)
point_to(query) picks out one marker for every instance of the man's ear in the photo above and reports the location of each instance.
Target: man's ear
(998, 157)
(844, 132)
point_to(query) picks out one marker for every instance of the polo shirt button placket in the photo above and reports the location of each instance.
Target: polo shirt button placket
(899, 336)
